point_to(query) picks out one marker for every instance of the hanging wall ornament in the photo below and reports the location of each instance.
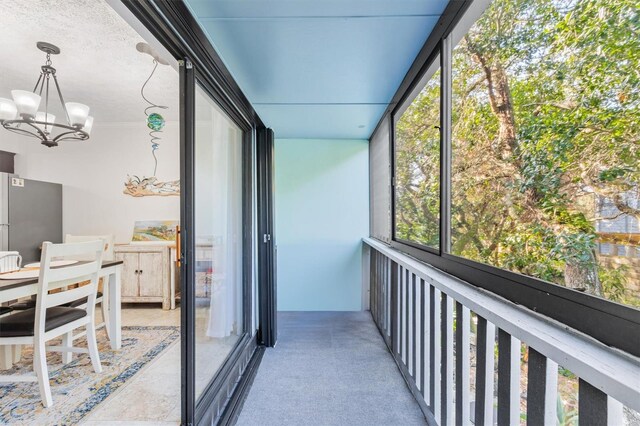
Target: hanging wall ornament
(155, 120)
(147, 186)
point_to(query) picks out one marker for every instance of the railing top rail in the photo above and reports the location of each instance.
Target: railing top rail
(614, 372)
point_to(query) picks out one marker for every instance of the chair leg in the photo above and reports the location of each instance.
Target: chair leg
(67, 341)
(40, 367)
(105, 314)
(93, 347)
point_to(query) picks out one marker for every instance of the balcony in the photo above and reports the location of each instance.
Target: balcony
(466, 355)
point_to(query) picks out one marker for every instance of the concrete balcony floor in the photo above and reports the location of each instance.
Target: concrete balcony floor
(329, 368)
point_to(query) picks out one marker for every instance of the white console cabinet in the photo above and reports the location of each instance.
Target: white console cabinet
(147, 274)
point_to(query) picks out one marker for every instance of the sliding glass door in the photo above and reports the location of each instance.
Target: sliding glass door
(218, 236)
(218, 247)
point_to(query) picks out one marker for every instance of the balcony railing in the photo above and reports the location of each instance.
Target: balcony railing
(465, 352)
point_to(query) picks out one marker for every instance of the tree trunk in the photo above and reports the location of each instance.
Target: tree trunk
(583, 277)
(500, 101)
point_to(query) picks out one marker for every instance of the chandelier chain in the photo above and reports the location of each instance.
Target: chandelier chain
(46, 107)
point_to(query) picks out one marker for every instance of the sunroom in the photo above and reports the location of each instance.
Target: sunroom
(390, 212)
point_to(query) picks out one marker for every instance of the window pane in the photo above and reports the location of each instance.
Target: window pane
(417, 171)
(546, 131)
(380, 166)
(218, 233)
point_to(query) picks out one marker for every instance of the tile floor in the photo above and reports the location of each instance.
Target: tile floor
(152, 397)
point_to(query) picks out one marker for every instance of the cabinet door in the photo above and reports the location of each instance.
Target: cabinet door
(151, 274)
(129, 287)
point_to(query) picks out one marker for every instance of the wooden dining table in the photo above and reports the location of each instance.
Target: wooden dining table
(111, 271)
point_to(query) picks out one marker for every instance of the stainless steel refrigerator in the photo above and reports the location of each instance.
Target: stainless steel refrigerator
(30, 213)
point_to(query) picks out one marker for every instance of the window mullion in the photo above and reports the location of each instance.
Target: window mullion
(445, 146)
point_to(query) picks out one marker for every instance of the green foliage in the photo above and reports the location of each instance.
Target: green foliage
(612, 174)
(566, 373)
(418, 167)
(566, 417)
(545, 121)
(613, 285)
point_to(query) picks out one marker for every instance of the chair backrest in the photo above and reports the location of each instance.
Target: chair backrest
(10, 261)
(52, 278)
(107, 239)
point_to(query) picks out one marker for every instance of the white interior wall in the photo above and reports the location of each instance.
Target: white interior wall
(93, 174)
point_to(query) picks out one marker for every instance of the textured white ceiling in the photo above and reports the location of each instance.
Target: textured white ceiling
(99, 64)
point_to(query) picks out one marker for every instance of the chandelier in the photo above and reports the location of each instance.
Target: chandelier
(21, 115)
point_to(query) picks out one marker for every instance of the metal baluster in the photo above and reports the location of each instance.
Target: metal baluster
(463, 367)
(403, 315)
(436, 343)
(614, 412)
(592, 405)
(394, 327)
(409, 349)
(542, 390)
(419, 345)
(446, 370)
(400, 298)
(426, 341)
(508, 379)
(485, 344)
(414, 322)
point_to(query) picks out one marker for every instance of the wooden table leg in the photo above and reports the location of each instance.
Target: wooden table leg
(17, 353)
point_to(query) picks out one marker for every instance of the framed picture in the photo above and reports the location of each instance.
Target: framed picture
(155, 231)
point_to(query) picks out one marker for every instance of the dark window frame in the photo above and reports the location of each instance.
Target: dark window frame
(408, 97)
(247, 239)
(610, 322)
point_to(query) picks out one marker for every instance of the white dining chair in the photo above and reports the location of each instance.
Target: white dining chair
(108, 240)
(7, 353)
(10, 261)
(50, 319)
(101, 296)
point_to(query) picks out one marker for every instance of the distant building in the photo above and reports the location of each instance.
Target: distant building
(619, 238)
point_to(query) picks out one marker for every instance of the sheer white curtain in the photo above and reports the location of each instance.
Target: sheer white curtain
(226, 190)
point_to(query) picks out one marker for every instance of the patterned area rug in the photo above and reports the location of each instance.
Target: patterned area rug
(75, 387)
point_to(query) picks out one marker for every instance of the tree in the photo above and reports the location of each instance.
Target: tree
(417, 167)
(546, 122)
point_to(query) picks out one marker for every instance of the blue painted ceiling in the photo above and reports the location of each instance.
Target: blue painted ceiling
(318, 68)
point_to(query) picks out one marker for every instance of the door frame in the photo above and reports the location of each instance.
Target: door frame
(267, 248)
(187, 249)
(172, 24)
(216, 394)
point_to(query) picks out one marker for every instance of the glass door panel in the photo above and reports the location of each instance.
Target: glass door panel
(218, 238)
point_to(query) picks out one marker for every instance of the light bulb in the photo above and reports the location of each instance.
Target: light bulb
(47, 118)
(77, 113)
(27, 102)
(8, 109)
(88, 125)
